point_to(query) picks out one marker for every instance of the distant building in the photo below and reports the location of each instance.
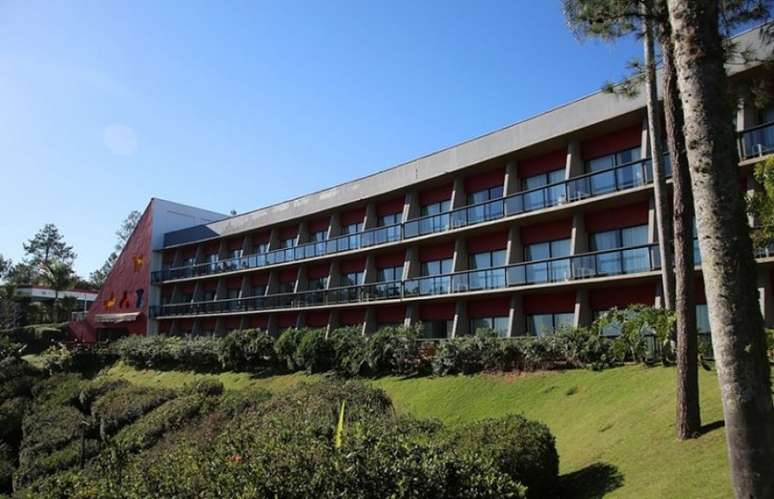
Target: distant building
(83, 297)
(544, 223)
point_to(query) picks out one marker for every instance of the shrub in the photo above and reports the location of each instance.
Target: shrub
(246, 350)
(314, 352)
(206, 387)
(9, 350)
(57, 460)
(349, 346)
(6, 468)
(285, 347)
(146, 351)
(582, 347)
(393, 350)
(38, 337)
(524, 450)
(91, 390)
(125, 404)
(170, 415)
(196, 354)
(469, 354)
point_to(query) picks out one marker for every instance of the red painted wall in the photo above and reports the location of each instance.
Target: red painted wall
(231, 323)
(622, 296)
(318, 270)
(131, 272)
(549, 231)
(488, 242)
(613, 142)
(259, 321)
(319, 224)
(390, 207)
(354, 265)
(389, 260)
(288, 275)
(493, 307)
(437, 311)
(436, 194)
(623, 216)
(259, 279)
(390, 315)
(541, 164)
(351, 316)
(261, 238)
(286, 319)
(288, 232)
(485, 180)
(235, 244)
(317, 318)
(549, 303)
(438, 252)
(352, 216)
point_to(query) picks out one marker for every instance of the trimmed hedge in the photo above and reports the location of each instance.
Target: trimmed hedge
(121, 406)
(37, 337)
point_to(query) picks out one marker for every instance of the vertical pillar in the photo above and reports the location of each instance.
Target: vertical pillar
(512, 183)
(245, 289)
(645, 140)
(302, 283)
(333, 322)
(652, 230)
(410, 206)
(301, 319)
(765, 298)
(516, 326)
(334, 228)
(460, 257)
(461, 326)
(458, 193)
(273, 283)
(274, 241)
(303, 233)
(369, 321)
(370, 220)
(411, 263)
(334, 276)
(220, 327)
(514, 250)
(582, 308)
(574, 163)
(272, 325)
(579, 240)
(369, 273)
(221, 292)
(412, 315)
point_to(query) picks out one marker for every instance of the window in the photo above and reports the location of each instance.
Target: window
(550, 271)
(237, 253)
(486, 260)
(316, 283)
(286, 287)
(351, 229)
(498, 324)
(288, 243)
(352, 279)
(436, 267)
(535, 181)
(612, 160)
(548, 324)
(318, 237)
(262, 247)
(208, 295)
(485, 195)
(702, 319)
(391, 219)
(187, 261)
(212, 260)
(232, 293)
(435, 208)
(259, 290)
(626, 261)
(437, 329)
(389, 274)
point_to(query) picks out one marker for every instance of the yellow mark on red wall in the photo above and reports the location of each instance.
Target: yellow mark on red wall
(110, 302)
(138, 261)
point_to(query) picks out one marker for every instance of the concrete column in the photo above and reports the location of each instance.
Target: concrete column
(177, 258)
(272, 325)
(196, 327)
(645, 141)
(514, 251)
(460, 257)
(512, 183)
(247, 245)
(303, 233)
(223, 249)
(412, 315)
(574, 164)
(221, 291)
(273, 283)
(199, 254)
(370, 220)
(410, 206)
(582, 308)
(301, 319)
(765, 298)
(458, 193)
(652, 230)
(411, 265)
(746, 114)
(461, 325)
(244, 322)
(173, 328)
(369, 322)
(369, 273)
(220, 327)
(302, 283)
(198, 291)
(177, 294)
(579, 240)
(334, 275)
(274, 241)
(516, 326)
(333, 322)
(334, 228)
(658, 301)
(245, 289)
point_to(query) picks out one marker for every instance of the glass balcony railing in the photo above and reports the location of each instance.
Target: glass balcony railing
(757, 141)
(622, 261)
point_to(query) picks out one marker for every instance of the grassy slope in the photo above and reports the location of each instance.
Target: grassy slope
(621, 417)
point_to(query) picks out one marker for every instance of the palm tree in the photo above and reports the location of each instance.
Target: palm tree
(58, 276)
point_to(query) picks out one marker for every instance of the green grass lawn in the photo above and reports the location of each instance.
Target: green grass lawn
(614, 429)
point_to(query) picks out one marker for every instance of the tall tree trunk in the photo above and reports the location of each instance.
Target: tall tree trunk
(663, 218)
(688, 420)
(727, 258)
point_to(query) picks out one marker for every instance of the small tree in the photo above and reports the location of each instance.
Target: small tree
(58, 276)
(48, 245)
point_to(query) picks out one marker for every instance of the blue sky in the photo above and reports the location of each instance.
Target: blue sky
(236, 105)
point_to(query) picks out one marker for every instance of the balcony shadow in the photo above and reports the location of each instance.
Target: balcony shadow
(595, 480)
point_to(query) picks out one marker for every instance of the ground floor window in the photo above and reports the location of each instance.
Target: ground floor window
(437, 329)
(548, 324)
(497, 323)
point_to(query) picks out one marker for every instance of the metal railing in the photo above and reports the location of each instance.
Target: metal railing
(619, 178)
(756, 141)
(621, 261)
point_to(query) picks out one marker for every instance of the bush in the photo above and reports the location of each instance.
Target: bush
(349, 346)
(393, 350)
(121, 406)
(6, 468)
(314, 352)
(246, 350)
(524, 450)
(148, 429)
(169, 352)
(470, 354)
(286, 345)
(206, 387)
(38, 337)
(9, 350)
(582, 347)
